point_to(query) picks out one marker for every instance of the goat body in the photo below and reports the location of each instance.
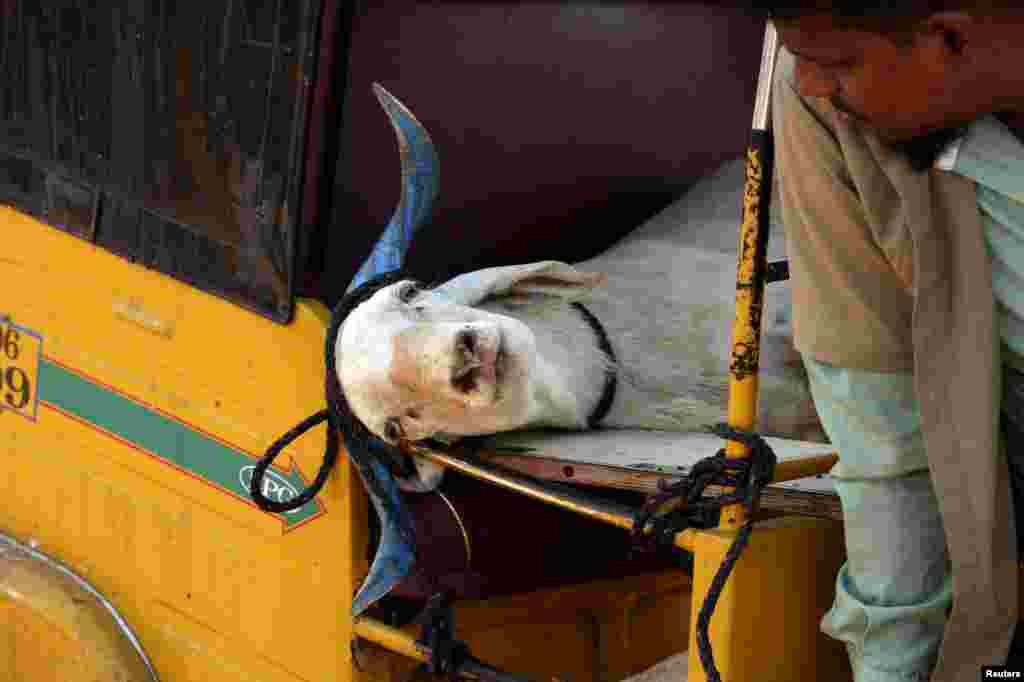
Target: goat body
(667, 304)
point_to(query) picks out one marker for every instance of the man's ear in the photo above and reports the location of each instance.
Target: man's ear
(521, 284)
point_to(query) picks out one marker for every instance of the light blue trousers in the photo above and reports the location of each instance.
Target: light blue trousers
(893, 592)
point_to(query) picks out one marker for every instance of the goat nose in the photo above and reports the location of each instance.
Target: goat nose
(466, 342)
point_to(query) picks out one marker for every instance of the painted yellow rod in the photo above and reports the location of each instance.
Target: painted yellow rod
(404, 644)
(792, 469)
(390, 638)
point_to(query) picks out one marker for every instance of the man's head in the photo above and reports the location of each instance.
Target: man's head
(907, 69)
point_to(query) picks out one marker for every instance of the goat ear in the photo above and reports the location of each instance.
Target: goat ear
(519, 284)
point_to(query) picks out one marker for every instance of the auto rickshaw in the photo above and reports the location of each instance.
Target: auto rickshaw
(188, 187)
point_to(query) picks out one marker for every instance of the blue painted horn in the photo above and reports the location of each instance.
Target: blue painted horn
(420, 183)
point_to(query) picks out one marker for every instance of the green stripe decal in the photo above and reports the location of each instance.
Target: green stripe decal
(167, 439)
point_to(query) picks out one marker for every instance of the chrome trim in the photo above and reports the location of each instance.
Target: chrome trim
(764, 79)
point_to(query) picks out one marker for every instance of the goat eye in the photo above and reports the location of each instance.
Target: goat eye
(408, 292)
(392, 430)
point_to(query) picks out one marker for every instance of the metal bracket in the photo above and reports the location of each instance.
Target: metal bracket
(777, 271)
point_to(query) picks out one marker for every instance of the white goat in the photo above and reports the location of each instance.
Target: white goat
(500, 349)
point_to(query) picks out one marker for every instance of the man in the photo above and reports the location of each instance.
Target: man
(899, 131)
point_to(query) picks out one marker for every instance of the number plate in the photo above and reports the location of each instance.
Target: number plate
(20, 352)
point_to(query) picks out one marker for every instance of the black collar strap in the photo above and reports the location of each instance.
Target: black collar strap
(611, 378)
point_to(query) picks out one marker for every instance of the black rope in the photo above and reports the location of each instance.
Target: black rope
(437, 619)
(330, 456)
(611, 379)
(450, 657)
(338, 416)
(748, 475)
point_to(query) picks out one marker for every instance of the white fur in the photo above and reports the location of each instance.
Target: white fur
(675, 668)
(665, 296)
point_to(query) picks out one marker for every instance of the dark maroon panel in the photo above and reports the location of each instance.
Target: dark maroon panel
(528, 546)
(547, 116)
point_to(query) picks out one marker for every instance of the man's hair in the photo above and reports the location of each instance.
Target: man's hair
(894, 18)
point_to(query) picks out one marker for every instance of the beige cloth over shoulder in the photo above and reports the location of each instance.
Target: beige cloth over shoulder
(889, 271)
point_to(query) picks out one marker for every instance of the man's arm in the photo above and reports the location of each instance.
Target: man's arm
(848, 253)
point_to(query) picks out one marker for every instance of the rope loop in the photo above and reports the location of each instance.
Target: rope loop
(260, 470)
(437, 619)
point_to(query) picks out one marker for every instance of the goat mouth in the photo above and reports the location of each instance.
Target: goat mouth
(492, 362)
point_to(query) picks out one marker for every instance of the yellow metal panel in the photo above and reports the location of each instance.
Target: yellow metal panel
(32, 648)
(55, 630)
(601, 631)
(216, 589)
(765, 625)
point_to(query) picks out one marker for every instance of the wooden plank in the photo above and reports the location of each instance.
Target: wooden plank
(636, 448)
(812, 496)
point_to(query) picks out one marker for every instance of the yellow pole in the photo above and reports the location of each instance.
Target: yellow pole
(746, 331)
(731, 650)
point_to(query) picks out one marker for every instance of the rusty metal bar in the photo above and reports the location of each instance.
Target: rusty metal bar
(617, 515)
(793, 469)
(551, 493)
(554, 494)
